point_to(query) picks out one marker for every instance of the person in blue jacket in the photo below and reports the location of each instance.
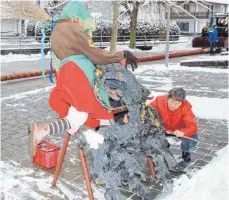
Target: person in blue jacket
(213, 38)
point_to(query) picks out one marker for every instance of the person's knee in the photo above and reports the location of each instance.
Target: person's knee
(189, 143)
(76, 118)
(196, 137)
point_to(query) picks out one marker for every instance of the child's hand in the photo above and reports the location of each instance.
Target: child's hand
(178, 133)
(169, 132)
(126, 119)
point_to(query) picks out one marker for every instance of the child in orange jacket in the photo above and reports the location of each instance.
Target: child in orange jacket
(178, 118)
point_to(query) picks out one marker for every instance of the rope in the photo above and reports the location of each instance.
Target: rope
(51, 68)
(42, 50)
(52, 25)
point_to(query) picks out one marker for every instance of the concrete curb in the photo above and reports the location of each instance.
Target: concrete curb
(140, 59)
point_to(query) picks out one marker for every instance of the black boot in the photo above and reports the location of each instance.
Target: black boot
(186, 156)
(168, 145)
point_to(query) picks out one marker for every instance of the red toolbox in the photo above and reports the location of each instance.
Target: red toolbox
(47, 154)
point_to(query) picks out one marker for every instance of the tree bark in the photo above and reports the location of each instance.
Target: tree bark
(133, 25)
(114, 33)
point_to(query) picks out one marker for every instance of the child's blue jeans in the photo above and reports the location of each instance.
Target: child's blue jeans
(188, 144)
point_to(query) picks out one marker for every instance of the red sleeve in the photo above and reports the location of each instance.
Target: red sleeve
(191, 126)
(154, 104)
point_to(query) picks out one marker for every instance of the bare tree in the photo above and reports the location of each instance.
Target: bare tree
(115, 26)
(54, 8)
(132, 10)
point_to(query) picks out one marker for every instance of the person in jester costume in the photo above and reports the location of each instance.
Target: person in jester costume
(73, 96)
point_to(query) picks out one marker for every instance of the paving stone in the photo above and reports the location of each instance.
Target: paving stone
(207, 140)
(222, 144)
(18, 142)
(214, 153)
(207, 158)
(215, 147)
(4, 137)
(12, 148)
(196, 156)
(204, 145)
(18, 135)
(175, 151)
(7, 127)
(5, 154)
(79, 179)
(154, 192)
(17, 157)
(203, 151)
(200, 163)
(5, 145)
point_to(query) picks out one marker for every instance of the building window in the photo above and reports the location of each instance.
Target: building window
(23, 26)
(187, 7)
(184, 26)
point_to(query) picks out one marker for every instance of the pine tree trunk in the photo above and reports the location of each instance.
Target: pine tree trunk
(114, 33)
(133, 25)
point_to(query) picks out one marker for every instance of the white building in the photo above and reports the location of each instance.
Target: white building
(189, 24)
(12, 27)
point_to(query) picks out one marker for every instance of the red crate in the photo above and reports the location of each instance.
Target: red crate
(47, 154)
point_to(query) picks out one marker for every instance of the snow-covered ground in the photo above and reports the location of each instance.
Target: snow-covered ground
(21, 57)
(209, 183)
(157, 48)
(18, 183)
(207, 58)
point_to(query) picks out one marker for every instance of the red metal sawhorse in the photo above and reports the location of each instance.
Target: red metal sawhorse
(84, 167)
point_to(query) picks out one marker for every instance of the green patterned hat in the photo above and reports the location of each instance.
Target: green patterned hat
(76, 10)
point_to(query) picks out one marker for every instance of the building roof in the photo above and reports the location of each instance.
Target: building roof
(218, 1)
(207, 1)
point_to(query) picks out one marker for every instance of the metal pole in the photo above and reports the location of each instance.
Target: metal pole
(195, 21)
(167, 38)
(101, 34)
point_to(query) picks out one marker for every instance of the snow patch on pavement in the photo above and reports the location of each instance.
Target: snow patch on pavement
(210, 183)
(158, 47)
(22, 95)
(21, 57)
(209, 108)
(203, 107)
(175, 66)
(15, 105)
(207, 58)
(19, 183)
(224, 90)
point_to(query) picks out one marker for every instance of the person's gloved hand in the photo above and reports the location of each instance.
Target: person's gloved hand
(130, 59)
